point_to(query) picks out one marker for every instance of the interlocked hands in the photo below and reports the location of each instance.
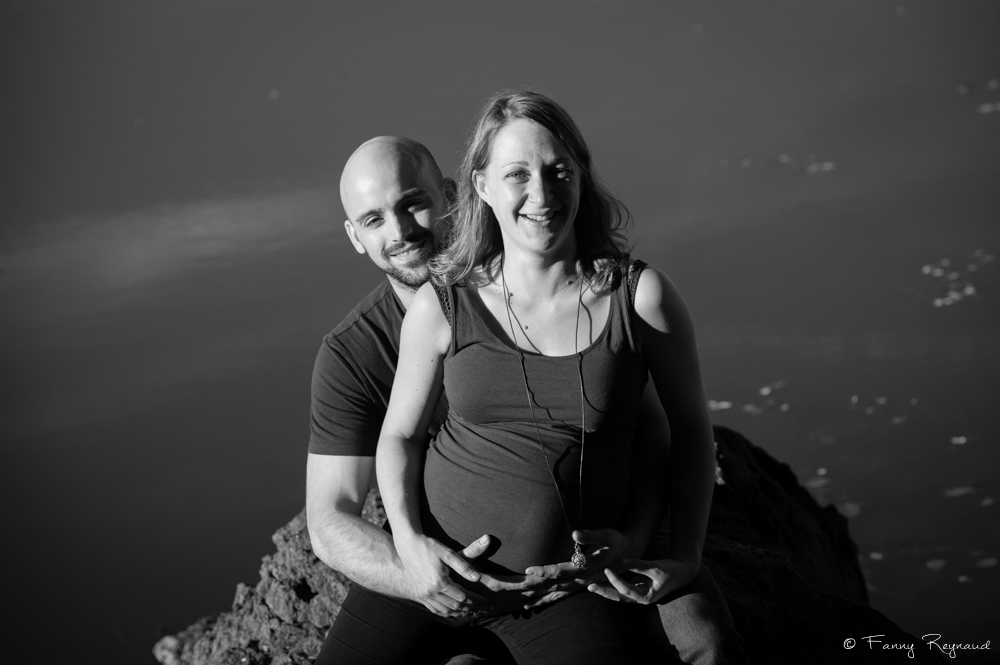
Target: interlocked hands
(603, 573)
(448, 584)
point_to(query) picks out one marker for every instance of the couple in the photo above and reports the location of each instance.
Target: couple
(528, 338)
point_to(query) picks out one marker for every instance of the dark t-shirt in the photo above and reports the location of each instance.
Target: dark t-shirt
(352, 377)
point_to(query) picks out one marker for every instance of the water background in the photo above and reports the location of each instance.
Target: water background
(171, 254)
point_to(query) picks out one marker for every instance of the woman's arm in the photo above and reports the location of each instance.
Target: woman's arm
(670, 352)
(648, 487)
(399, 458)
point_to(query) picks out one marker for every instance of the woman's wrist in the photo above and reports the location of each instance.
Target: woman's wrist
(687, 556)
(405, 534)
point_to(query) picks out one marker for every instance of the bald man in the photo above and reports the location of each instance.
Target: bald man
(395, 199)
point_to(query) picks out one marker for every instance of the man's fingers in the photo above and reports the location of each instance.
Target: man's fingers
(439, 608)
(443, 605)
(456, 597)
(553, 571)
(460, 565)
(476, 548)
(509, 582)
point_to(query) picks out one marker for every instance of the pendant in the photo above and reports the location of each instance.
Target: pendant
(578, 559)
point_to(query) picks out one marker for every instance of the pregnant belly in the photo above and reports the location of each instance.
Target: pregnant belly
(503, 488)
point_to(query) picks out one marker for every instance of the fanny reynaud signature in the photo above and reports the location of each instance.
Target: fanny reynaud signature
(932, 640)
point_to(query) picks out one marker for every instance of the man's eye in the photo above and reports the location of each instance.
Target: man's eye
(417, 205)
(371, 221)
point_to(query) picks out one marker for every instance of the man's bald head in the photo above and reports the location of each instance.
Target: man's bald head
(384, 153)
(395, 199)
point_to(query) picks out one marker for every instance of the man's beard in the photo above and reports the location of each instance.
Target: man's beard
(417, 271)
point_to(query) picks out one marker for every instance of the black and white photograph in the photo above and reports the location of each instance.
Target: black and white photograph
(553, 332)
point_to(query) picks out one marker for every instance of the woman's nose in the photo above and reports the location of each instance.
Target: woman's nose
(538, 190)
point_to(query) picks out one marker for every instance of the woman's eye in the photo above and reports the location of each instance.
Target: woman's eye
(517, 175)
(565, 173)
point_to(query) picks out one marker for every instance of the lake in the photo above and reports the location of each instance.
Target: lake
(819, 179)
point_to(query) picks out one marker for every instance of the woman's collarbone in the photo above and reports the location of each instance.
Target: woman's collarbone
(545, 325)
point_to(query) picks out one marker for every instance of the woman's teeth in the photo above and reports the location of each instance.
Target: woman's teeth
(539, 218)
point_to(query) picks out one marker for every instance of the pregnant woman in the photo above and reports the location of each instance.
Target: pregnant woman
(542, 332)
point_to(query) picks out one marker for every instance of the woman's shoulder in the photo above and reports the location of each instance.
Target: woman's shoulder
(427, 319)
(429, 305)
(657, 299)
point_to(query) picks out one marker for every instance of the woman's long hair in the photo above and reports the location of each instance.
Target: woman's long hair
(474, 239)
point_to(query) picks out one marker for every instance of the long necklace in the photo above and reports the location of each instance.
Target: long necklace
(578, 559)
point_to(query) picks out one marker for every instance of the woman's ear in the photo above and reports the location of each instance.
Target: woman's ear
(479, 180)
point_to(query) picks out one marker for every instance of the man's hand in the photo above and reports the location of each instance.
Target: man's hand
(428, 566)
(653, 581)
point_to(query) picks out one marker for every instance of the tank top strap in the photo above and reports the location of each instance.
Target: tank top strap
(465, 327)
(634, 270)
(446, 297)
(626, 293)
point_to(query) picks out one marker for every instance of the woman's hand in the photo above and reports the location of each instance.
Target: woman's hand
(428, 566)
(604, 548)
(655, 579)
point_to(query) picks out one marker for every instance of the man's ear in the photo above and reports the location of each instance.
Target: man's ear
(353, 235)
(450, 190)
(479, 179)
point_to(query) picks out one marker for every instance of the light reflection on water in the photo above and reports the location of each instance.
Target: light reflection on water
(157, 361)
(175, 389)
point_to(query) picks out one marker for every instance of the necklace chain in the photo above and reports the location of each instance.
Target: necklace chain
(578, 559)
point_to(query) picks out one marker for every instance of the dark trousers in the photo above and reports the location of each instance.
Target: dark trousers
(582, 629)
(699, 626)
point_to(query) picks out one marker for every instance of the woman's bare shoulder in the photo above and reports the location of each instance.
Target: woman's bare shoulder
(426, 314)
(658, 302)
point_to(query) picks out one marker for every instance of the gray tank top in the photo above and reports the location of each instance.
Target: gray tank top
(485, 471)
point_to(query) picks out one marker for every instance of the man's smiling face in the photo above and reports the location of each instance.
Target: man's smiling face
(394, 199)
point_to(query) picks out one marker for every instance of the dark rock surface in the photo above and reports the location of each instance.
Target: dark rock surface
(788, 567)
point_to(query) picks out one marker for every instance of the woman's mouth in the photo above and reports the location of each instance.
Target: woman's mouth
(540, 218)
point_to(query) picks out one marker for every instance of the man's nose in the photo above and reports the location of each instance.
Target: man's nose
(401, 227)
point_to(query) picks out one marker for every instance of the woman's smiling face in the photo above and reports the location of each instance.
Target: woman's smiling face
(533, 186)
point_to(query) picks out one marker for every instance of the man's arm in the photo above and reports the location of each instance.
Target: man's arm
(336, 488)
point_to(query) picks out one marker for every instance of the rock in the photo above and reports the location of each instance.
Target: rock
(787, 566)
(281, 621)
